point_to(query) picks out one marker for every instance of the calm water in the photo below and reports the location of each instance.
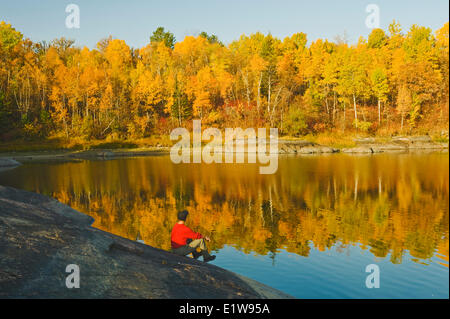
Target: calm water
(309, 230)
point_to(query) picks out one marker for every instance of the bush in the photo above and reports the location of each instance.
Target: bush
(294, 124)
(362, 125)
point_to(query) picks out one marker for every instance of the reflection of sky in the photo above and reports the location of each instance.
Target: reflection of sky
(333, 274)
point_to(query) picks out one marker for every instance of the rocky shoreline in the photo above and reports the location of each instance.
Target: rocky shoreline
(362, 146)
(41, 236)
(365, 146)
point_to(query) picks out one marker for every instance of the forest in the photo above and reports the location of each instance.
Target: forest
(394, 82)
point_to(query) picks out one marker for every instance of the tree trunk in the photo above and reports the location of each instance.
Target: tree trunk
(268, 97)
(275, 103)
(379, 112)
(258, 101)
(179, 110)
(87, 106)
(334, 106)
(344, 117)
(245, 78)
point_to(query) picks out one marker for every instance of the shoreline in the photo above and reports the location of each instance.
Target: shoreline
(285, 146)
(41, 236)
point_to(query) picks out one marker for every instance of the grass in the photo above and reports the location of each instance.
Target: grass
(79, 144)
(332, 139)
(22, 145)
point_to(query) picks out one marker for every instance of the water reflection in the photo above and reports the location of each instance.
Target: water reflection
(388, 204)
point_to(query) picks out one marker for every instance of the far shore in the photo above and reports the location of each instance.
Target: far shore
(285, 146)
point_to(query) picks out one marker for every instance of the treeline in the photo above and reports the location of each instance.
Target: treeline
(392, 82)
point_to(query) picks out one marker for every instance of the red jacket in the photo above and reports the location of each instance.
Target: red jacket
(180, 233)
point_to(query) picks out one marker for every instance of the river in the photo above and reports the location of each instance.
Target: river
(310, 229)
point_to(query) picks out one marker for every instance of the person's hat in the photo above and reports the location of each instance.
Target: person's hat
(182, 215)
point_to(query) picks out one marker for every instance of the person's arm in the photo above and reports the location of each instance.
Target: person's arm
(192, 234)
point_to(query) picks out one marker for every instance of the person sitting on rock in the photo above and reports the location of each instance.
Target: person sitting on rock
(185, 241)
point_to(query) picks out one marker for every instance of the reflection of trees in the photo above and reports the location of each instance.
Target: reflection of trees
(388, 204)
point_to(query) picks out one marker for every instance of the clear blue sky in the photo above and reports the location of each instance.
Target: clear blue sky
(135, 20)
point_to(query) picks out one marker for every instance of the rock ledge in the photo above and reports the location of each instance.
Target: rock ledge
(40, 236)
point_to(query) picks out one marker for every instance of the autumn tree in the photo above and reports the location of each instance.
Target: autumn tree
(380, 87)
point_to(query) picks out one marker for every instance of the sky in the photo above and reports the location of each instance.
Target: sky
(135, 20)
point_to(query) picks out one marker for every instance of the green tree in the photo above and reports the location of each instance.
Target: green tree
(377, 39)
(160, 35)
(211, 38)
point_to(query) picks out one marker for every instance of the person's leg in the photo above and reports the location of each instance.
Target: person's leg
(200, 243)
(183, 250)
